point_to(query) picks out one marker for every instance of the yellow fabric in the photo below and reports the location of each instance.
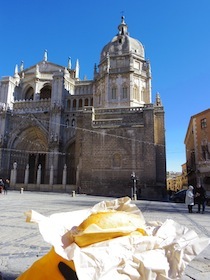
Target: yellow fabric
(46, 268)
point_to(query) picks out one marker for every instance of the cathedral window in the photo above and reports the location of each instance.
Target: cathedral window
(74, 104)
(86, 102)
(114, 93)
(68, 104)
(80, 103)
(124, 92)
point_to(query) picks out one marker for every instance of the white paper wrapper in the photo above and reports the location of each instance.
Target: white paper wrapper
(163, 254)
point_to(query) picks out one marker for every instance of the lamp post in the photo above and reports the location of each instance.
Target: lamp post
(134, 181)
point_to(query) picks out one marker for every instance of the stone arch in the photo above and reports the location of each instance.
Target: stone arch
(45, 92)
(30, 146)
(29, 94)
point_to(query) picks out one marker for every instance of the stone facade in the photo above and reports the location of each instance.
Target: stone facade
(197, 146)
(92, 134)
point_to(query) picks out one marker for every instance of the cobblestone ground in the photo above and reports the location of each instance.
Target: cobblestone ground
(21, 243)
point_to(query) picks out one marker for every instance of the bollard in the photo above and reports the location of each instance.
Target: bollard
(134, 197)
(73, 194)
(21, 190)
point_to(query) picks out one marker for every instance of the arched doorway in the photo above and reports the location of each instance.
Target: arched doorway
(34, 160)
(29, 148)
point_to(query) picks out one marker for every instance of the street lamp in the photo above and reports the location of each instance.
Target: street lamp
(133, 189)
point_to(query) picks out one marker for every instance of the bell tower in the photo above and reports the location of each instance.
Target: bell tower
(123, 78)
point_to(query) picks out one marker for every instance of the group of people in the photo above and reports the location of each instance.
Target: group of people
(196, 195)
(4, 185)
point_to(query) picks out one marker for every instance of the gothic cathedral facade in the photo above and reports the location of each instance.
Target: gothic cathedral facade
(89, 134)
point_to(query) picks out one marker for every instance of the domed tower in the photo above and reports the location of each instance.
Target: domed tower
(123, 77)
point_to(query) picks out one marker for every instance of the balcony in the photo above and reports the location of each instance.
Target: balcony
(31, 106)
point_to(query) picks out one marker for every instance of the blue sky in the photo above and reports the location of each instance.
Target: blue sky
(175, 34)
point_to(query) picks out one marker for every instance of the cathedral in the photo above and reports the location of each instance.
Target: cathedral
(101, 137)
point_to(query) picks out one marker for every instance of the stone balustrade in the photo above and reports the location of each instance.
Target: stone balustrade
(23, 106)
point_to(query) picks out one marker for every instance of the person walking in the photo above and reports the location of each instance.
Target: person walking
(1, 185)
(6, 186)
(189, 198)
(200, 198)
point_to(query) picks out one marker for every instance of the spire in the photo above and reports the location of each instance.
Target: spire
(95, 69)
(69, 63)
(21, 66)
(16, 71)
(123, 28)
(77, 69)
(158, 100)
(45, 55)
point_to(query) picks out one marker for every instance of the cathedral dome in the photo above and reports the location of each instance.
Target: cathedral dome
(122, 44)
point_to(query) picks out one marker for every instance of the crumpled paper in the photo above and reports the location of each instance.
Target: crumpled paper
(163, 254)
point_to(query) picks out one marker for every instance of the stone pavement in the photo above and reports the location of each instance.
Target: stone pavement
(21, 243)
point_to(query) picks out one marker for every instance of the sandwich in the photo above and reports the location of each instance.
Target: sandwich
(102, 226)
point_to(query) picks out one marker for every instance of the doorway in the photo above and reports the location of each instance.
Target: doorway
(34, 161)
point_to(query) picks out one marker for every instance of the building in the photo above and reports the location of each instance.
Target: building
(98, 136)
(197, 145)
(177, 181)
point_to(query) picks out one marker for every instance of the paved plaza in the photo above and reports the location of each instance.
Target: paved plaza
(21, 243)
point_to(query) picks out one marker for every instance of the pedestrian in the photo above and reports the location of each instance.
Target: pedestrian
(1, 185)
(189, 198)
(200, 198)
(6, 186)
